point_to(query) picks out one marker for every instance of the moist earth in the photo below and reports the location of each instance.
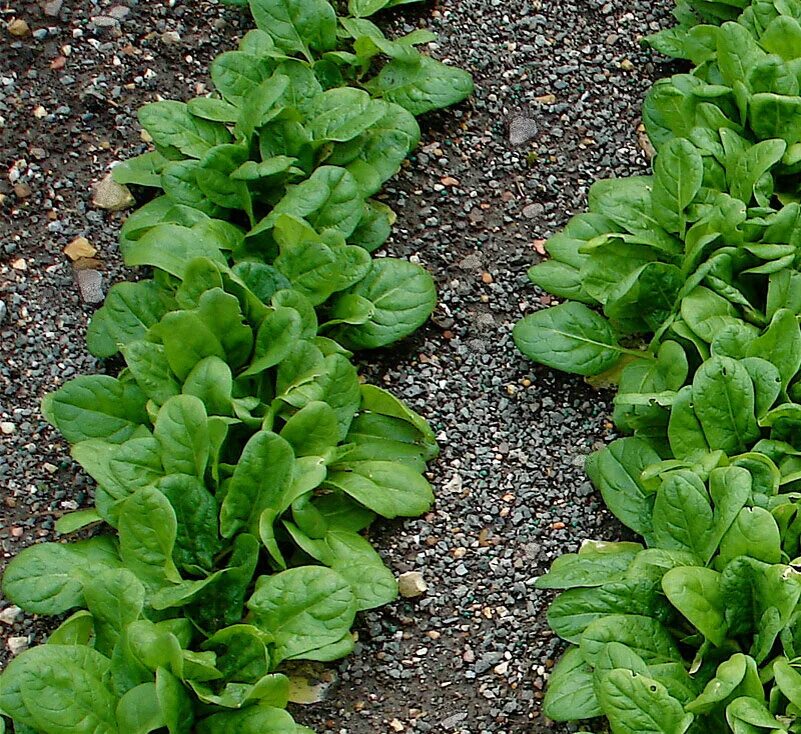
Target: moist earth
(559, 84)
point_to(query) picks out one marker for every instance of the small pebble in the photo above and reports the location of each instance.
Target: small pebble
(411, 584)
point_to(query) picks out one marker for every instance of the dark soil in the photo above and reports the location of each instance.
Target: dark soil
(472, 655)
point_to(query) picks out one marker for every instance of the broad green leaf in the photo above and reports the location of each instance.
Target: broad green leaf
(616, 470)
(182, 431)
(569, 337)
(637, 704)
(644, 635)
(754, 533)
(304, 609)
(329, 199)
(49, 578)
(297, 25)
(171, 247)
(781, 345)
(574, 610)
(678, 175)
(313, 430)
(570, 694)
(171, 125)
(197, 541)
(237, 73)
(390, 489)
(96, 406)
(421, 84)
(682, 515)
(150, 367)
(696, 593)
(147, 528)
(402, 295)
(258, 719)
(115, 597)
(142, 170)
(139, 712)
(174, 702)
(212, 383)
(596, 564)
(260, 481)
(130, 309)
(723, 399)
(343, 113)
(60, 689)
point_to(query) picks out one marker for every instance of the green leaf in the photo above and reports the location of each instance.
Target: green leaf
(616, 470)
(574, 610)
(182, 431)
(60, 689)
(49, 578)
(723, 399)
(403, 296)
(754, 533)
(150, 367)
(171, 247)
(197, 541)
(569, 337)
(147, 528)
(775, 116)
(260, 481)
(171, 125)
(384, 146)
(257, 719)
(329, 199)
(313, 430)
(390, 489)
(570, 694)
(343, 113)
(754, 163)
(115, 597)
(129, 311)
(74, 521)
(142, 170)
(789, 681)
(597, 563)
(421, 84)
(96, 406)
(317, 266)
(696, 593)
(637, 704)
(644, 635)
(237, 73)
(138, 711)
(682, 515)
(303, 608)
(781, 345)
(297, 26)
(678, 175)
(174, 702)
(212, 383)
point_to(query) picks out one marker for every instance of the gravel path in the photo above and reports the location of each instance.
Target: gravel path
(559, 86)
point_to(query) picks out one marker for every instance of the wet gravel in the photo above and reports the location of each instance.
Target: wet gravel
(559, 87)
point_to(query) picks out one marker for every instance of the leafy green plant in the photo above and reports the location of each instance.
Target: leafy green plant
(238, 456)
(683, 288)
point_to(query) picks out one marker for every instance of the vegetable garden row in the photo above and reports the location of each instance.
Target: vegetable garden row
(238, 455)
(697, 628)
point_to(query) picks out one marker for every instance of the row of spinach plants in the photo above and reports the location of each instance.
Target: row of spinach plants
(684, 289)
(238, 456)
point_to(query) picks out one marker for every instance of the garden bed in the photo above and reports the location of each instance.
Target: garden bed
(472, 654)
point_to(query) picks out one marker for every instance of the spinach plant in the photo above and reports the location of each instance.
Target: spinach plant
(683, 288)
(239, 457)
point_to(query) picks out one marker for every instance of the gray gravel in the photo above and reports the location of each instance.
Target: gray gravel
(471, 655)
